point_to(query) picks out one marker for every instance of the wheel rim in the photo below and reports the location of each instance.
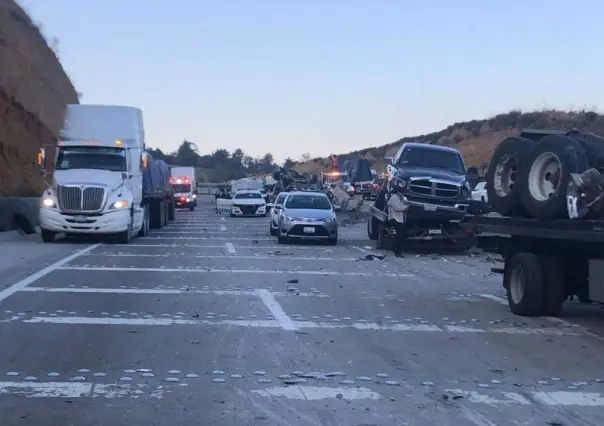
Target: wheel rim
(504, 179)
(517, 285)
(544, 176)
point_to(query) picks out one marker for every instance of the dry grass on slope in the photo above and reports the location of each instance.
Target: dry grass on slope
(476, 139)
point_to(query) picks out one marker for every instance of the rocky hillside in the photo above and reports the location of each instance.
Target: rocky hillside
(34, 90)
(476, 139)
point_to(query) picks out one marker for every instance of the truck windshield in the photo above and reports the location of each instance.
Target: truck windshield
(91, 157)
(182, 187)
(432, 158)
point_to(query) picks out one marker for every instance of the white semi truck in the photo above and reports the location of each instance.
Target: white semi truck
(104, 183)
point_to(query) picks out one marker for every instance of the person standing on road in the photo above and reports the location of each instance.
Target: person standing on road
(397, 215)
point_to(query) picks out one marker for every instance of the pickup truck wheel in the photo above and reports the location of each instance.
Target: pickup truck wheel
(553, 290)
(546, 175)
(523, 280)
(192, 208)
(502, 175)
(48, 236)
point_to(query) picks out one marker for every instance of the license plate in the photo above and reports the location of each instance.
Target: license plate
(429, 208)
(309, 230)
(79, 219)
(435, 232)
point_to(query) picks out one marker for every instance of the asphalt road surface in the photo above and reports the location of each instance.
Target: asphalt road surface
(210, 322)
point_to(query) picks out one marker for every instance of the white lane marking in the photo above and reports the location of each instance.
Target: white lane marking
(276, 310)
(209, 238)
(222, 218)
(293, 325)
(555, 398)
(76, 390)
(223, 228)
(232, 271)
(230, 248)
(149, 321)
(256, 247)
(12, 289)
(316, 393)
(163, 291)
(554, 320)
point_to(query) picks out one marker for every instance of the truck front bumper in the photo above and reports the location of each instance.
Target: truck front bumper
(104, 223)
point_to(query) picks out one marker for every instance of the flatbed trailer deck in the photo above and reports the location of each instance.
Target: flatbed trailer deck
(546, 261)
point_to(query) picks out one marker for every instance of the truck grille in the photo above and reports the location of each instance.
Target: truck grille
(434, 189)
(74, 198)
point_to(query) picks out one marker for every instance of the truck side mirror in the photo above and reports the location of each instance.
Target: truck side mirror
(389, 160)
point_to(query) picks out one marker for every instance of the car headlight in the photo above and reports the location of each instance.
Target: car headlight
(466, 191)
(120, 204)
(328, 219)
(48, 202)
(288, 218)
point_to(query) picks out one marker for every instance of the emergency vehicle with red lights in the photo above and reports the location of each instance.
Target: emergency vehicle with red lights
(183, 182)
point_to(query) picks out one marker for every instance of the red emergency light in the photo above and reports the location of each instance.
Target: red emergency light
(180, 180)
(183, 199)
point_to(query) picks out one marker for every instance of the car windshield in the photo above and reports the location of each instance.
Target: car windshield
(308, 202)
(280, 199)
(432, 158)
(76, 157)
(248, 195)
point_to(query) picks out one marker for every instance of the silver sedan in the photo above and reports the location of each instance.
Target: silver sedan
(308, 216)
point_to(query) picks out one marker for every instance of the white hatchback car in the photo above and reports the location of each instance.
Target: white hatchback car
(248, 203)
(275, 211)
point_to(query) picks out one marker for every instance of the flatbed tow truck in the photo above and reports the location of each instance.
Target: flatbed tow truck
(545, 261)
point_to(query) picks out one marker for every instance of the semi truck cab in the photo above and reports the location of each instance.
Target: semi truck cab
(96, 186)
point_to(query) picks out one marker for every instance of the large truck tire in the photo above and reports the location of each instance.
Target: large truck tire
(524, 283)
(502, 175)
(172, 211)
(372, 228)
(381, 237)
(166, 212)
(48, 236)
(144, 231)
(553, 291)
(155, 214)
(545, 177)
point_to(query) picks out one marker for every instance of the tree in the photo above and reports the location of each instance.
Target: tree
(289, 163)
(268, 159)
(305, 157)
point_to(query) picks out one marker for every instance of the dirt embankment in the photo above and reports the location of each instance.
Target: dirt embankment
(34, 90)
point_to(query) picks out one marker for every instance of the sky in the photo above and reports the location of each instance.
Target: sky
(324, 76)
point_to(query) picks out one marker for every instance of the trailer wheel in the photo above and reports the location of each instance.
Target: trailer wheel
(502, 175)
(547, 174)
(381, 237)
(553, 290)
(172, 211)
(523, 280)
(372, 228)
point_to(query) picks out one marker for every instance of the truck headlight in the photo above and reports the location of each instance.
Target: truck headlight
(48, 202)
(120, 204)
(466, 192)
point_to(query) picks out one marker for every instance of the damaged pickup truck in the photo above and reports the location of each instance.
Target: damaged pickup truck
(437, 192)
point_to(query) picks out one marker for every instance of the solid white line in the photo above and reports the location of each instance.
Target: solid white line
(222, 219)
(317, 393)
(233, 271)
(149, 321)
(256, 248)
(162, 291)
(275, 308)
(555, 398)
(12, 289)
(209, 238)
(73, 390)
(284, 322)
(231, 250)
